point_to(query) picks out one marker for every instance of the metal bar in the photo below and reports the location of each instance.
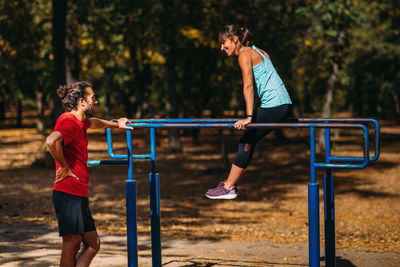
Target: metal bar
(313, 208)
(182, 120)
(131, 220)
(329, 208)
(109, 147)
(312, 155)
(251, 125)
(131, 223)
(329, 212)
(344, 159)
(352, 120)
(154, 204)
(145, 156)
(107, 162)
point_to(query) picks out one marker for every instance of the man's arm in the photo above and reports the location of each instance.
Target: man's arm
(96, 123)
(54, 143)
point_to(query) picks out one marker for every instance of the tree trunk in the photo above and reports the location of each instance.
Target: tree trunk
(170, 79)
(71, 59)
(19, 113)
(331, 84)
(39, 108)
(108, 107)
(59, 53)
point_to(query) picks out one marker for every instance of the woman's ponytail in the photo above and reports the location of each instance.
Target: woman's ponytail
(242, 33)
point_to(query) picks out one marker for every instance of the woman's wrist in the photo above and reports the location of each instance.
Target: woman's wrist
(116, 125)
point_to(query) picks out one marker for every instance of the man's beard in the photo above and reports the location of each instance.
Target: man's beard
(90, 112)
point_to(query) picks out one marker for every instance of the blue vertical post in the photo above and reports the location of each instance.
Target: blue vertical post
(154, 204)
(131, 207)
(313, 208)
(329, 207)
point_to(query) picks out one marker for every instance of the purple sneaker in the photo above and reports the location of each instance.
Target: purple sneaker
(220, 192)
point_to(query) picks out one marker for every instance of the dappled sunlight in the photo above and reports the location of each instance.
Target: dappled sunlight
(272, 201)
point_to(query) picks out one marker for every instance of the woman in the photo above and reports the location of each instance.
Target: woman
(275, 102)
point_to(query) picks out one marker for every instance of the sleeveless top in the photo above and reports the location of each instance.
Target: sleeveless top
(270, 88)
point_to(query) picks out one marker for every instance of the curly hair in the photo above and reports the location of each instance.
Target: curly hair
(71, 94)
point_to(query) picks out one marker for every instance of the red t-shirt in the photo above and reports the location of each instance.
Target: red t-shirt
(75, 154)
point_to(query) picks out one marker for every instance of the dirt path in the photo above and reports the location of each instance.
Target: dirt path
(38, 245)
(266, 226)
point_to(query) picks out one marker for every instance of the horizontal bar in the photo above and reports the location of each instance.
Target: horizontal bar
(107, 162)
(145, 156)
(183, 120)
(356, 120)
(251, 125)
(341, 166)
(342, 159)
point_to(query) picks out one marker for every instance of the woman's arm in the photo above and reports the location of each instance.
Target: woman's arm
(96, 123)
(248, 93)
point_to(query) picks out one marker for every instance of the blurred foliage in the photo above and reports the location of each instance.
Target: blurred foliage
(144, 56)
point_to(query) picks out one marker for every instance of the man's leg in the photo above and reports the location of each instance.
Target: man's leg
(91, 245)
(70, 247)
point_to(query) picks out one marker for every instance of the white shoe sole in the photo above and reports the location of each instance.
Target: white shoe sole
(232, 196)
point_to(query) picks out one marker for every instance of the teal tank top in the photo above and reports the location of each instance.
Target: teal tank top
(270, 88)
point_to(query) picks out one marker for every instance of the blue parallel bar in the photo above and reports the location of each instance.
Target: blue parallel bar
(348, 165)
(109, 147)
(350, 120)
(154, 204)
(329, 207)
(182, 120)
(145, 156)
(313, 208)
(329, 212)
(344, 159)
(313, 224)
(131, 220)
(107, 162)
(340, 166)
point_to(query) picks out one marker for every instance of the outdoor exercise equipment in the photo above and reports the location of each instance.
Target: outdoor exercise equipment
(330, 163)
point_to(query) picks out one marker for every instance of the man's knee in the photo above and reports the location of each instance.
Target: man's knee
(91, 241)
(72, 242)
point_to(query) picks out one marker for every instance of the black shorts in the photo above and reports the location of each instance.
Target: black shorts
(73, 214)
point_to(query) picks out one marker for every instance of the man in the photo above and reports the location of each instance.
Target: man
(68, 146)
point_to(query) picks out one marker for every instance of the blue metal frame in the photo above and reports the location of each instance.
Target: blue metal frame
(313, 187)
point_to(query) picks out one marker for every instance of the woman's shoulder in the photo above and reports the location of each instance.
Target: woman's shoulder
(261, 50)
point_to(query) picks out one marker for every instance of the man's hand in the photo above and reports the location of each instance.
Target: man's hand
(122, 123)
(64, 172)
(241, 125)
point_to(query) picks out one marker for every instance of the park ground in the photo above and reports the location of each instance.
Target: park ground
(267, 225)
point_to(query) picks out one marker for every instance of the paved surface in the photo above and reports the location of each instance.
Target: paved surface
(38, 245)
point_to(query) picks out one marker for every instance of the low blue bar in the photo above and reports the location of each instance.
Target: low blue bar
(351, 120)
(107, 162)
(340, 166)
(344, 159)
(145, 156)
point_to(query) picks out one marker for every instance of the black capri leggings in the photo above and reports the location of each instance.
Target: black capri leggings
(251, 136)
